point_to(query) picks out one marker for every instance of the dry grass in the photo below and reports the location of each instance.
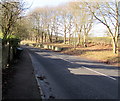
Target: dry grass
(62, 45)
(27, 41)
(97, 52)
(102, 56)
(101, 53)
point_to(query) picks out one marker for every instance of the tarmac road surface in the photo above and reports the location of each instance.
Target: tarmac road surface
(63, 76)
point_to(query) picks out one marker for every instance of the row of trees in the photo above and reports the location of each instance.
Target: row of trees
(11, 13)
(72, 21)
(68, 21)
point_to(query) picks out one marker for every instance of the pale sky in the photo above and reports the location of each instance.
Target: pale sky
(42, 3)
(99, 29)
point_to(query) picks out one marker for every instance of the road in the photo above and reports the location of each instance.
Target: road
(63, 76)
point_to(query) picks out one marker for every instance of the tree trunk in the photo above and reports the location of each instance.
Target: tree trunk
(56, 38)
(78, 43)
(65, 38)
(45, 40)
(8, 59)
(85, 45)
(75, 40)
(65, 35)
(50, 38)
(114, 45)
(39, 39)
(36, 39)
(42, 38)
(69, 39)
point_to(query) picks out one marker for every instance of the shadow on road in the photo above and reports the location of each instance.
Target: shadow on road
(74, 79)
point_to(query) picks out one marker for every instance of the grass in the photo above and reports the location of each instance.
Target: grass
(100, 53)
(106, 40)
(102, 56)
(27, 41)
(97, 52)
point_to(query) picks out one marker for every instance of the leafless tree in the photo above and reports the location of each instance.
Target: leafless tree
(10, 13)
(107, 13)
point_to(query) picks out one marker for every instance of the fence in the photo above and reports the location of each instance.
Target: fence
(8, 51)
(5, 50)
(1, 53)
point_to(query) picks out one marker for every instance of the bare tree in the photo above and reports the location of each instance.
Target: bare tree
(86, 28)
(64, 22)
(21, 29)
(83, 20)
(10, 13)
(36, 17)
(70, 26)
(107, 14)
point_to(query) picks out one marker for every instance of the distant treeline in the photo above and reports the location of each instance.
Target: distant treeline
(101, 40)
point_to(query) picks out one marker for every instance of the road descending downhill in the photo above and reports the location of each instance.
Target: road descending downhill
(61, 76)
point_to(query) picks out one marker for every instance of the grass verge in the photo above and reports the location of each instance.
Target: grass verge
(97, 52)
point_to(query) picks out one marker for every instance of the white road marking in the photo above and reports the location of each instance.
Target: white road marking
(99, 73)
(66, 60)
(92, 70)
(85, 67)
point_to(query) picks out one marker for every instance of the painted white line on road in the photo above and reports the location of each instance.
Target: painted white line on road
(87, 68)
(66, 60)
(92, 70)
(99, 73)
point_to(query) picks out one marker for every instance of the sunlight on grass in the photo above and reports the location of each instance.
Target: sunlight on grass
(103, 56)
(62, 45)
(99, 55)
(96, 53)
(27, 42)
(1, 35)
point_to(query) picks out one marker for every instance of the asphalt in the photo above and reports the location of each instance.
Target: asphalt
(23, 84)
(68, 77)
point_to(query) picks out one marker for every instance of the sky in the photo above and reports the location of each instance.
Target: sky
(42, 3)
(98, 29)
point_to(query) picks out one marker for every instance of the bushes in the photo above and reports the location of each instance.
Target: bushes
(11, 41)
